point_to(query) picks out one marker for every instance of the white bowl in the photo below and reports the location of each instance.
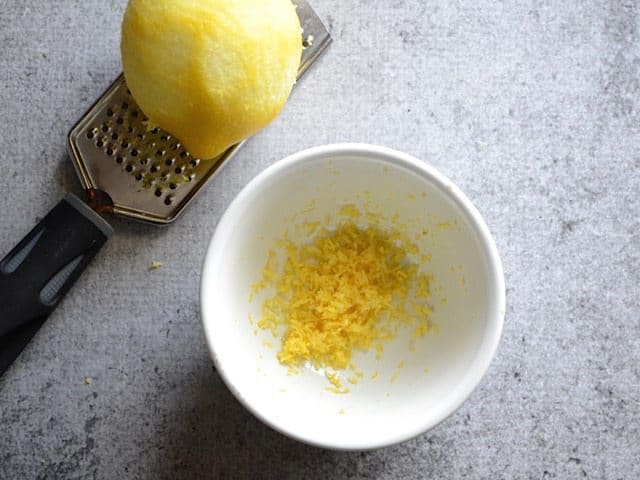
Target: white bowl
(469, 299)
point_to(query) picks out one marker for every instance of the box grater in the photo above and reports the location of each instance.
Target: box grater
(126, 169)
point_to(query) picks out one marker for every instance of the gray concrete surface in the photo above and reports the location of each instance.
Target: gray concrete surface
(531, 107)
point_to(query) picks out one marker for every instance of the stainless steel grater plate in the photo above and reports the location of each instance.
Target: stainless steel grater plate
(148, 174)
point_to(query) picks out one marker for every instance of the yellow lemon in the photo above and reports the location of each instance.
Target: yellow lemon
(210, 72)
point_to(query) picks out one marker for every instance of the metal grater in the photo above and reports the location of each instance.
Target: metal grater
(147, 174)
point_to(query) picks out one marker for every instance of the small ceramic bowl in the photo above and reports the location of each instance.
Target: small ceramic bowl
(410, 389)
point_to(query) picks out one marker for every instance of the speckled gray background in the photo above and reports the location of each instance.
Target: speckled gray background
(531, 107)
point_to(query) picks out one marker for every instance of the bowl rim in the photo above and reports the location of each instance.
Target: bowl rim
(493, 331)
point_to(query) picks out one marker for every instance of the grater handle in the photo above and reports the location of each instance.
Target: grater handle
(40, 270)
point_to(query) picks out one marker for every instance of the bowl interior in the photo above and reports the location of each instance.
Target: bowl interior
(412, 390)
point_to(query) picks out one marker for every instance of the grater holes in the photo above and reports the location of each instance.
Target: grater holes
(307, 42)
(156, 160)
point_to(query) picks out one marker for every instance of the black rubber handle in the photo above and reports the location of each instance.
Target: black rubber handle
(41, 269)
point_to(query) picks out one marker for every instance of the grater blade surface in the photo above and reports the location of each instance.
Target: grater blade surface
(148, 174)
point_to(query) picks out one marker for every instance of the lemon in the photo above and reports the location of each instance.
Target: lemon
(210, 72)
